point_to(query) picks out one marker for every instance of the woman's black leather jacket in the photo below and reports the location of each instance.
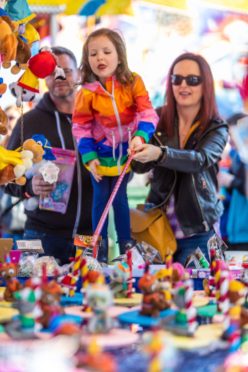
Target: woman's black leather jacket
(190, 174)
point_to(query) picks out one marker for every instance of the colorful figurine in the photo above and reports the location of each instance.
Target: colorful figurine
(164, 286)
(50, 302)
(152, 302)
(184, 322)
(99, 298)
(8, 271)
(237, 316)
(96, 360)
(25, 325)
(120, 279)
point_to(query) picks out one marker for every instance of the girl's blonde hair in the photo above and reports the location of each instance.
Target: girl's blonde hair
(123, 74)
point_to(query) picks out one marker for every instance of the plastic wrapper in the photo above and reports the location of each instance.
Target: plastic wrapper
(93, 264)
(52, 267)
(26, 264)
(58, 199)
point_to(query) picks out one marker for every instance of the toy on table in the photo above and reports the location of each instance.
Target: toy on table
(25, 325)
(152, 302)
(95, 359)
(178, 273)
(99, 298)
(161, 353)
(164, 278)
(8, 271)
(209, 283)
(198, 259)
(185, 322)
(244, 278)
(50, 302)
(237, 316)
(120, 279)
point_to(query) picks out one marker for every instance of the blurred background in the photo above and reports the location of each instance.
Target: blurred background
(155, 32)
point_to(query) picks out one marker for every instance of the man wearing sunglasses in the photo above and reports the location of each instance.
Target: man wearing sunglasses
(184, 155)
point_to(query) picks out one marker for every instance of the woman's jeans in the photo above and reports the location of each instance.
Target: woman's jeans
(54, 245)
(186, 246)
(102, 191)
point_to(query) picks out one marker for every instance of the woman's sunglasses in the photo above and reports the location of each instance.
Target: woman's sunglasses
(191, 80)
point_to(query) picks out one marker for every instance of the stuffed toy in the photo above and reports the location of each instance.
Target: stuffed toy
(3, 122)
(15, 163)
(8, 43)
(19, 12)
(48, 170)
(18, 15)
(40, 66)
(23, 53)
(3, 87)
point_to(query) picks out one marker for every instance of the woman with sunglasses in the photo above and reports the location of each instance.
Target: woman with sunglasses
(184, 154)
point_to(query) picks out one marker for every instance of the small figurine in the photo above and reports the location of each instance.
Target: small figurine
(184, 322)
(95, 359)
(120, 279)
(164, 286)
(152, 302)
(162, 355)
(50, 302)
(99, 298)
(8, 271)
(237, 316)
(25, 325)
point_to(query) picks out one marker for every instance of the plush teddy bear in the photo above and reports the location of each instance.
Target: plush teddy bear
(3, 122)
(8, 43)
(23, 54)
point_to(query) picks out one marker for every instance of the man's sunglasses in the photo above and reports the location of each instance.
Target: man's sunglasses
(191, 80)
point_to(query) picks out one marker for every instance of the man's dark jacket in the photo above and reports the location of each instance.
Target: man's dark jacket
(56, 127)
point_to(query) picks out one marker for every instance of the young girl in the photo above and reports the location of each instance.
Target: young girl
(112, 114)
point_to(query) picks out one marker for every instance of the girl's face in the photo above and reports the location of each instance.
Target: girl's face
(187, 95)
(103, 57)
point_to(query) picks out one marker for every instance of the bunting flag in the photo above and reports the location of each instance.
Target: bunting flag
(90, 7)
(87, 7)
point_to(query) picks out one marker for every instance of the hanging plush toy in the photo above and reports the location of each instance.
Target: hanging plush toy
(40, 66)
(3, 122)
(20, 14)
(8, 43)
(15, 163)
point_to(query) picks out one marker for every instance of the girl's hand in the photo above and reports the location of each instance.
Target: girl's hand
(146, 152)
(93, 164)
(134, 144)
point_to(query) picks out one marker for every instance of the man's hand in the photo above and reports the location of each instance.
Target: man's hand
(40, 187)
(93, 164)
(146, 152)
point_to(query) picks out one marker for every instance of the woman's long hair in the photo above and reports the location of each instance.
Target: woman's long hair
(123, 74)
(208, 109)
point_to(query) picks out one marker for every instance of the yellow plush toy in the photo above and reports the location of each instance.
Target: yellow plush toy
(14, 163)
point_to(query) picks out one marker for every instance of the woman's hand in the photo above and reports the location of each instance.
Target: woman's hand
(41, 187)
(93, 164)
(146, 152)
